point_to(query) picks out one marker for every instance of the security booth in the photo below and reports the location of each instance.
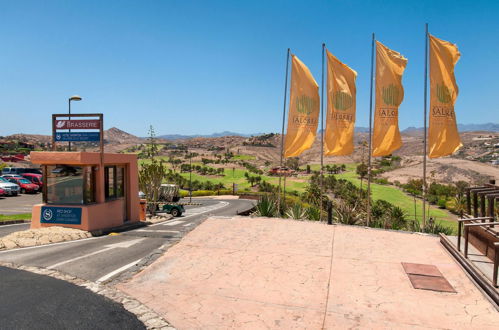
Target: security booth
(80, 192)
(85, 190)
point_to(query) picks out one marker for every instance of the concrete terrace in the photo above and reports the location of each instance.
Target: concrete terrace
(260, 273)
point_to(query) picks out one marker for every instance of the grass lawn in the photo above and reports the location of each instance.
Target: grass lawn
(399, 198)
(386, 192)
(243, 157)
(8, 217)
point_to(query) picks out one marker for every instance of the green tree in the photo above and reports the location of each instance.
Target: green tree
(150, 178)
(362, 171)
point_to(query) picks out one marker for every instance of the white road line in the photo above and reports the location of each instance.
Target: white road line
(15, 224)
(188, 224)
(159, 231)
(117, 271)
(173, 223)
(51, 244)
(78, 258)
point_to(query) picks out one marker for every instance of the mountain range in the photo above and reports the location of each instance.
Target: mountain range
(490, 127)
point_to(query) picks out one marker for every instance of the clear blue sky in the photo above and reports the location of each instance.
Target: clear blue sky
(198, 67)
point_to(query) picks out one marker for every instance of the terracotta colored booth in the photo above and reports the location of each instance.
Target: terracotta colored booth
(87, 190)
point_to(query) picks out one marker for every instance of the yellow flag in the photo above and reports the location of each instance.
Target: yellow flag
(390, 66)
(303, 110)
(443, 136)
(340, 118)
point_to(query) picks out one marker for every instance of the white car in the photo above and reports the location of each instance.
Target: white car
(10, 188)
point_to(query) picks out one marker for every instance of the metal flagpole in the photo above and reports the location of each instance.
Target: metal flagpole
(282, 131)
(322, 131)
(370, 136)
(425, 129)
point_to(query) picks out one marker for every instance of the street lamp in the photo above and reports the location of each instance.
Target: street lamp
(190, 177)
(72, 98)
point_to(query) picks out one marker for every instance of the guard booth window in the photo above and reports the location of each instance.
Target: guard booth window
(67, 184)
(114, 181)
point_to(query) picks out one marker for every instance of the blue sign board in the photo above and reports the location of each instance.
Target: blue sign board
(62, 215)
(77, 137)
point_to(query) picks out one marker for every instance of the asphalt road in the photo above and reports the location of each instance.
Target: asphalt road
(32, 301)
(22, 203)
(115, 257)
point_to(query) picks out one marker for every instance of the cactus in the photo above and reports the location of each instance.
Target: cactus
(391, 95)
(444, 95)
(342, 100)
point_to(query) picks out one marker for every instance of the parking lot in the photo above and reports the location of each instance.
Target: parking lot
(19, 204)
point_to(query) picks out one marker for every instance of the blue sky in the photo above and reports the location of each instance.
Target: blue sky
(198, 67)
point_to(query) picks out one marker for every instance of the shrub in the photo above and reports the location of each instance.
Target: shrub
(266, 207)
(313, 213)
(441, 202)
(296, 212)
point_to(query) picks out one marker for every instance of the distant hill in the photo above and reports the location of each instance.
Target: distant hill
(214, 135)
(116, 136)
(489, 127)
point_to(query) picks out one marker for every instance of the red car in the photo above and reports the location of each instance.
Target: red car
(25, 184)
(2, 192)
(34, 178)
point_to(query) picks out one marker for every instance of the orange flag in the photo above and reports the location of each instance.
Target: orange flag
(443, 136)
(303, 110)
(340, 118)
(390, 66)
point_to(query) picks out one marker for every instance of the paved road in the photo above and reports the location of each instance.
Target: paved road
(22, 203)
(102, 259)
(7, 229)
(32, 301)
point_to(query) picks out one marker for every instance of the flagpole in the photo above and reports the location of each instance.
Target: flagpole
(322, 132)
(370, 136)
(282, 131)
(425, 119)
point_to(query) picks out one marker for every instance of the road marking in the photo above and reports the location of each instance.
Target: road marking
(125, 244)
(50, 245)
(188, 224)
(173, 223)
(159, 231)
(117, 271)
(212, 208)
(78, 258)
(15, 224)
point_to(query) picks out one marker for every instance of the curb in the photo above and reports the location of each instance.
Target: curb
(146, 315)
(13, 222)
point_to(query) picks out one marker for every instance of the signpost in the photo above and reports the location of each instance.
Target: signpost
(61, 215)
(78, 137)
(64, 122)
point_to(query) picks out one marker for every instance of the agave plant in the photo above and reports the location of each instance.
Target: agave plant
(266, 207)
(313, 213)
(432, 227)
(296, 212)
(347, 215)
(396, 218)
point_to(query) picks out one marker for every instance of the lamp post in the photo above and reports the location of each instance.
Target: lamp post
(72, 98)
(190, 177)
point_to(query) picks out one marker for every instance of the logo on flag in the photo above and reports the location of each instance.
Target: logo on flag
(342, 100)
(391, 95)
(444, 95)
(305, 105)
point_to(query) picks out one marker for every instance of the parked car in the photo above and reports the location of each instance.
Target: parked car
(10, 188)
(8, 176)
(2, 192)
(34, 178)
(25, 184)
(20, 170)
